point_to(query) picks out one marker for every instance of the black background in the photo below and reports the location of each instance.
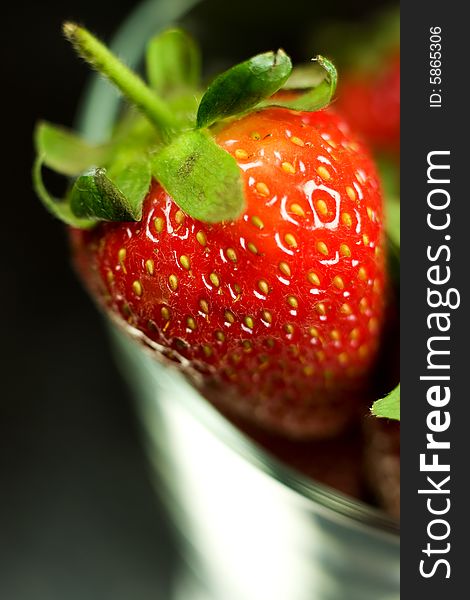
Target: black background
(78, 516)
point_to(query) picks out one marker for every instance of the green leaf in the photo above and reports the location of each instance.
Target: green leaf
(318, 97)
(96, 196)
(388, 407)
(390, 179)
(66, 152)
(305, 76)
(58, 208)
(185, 108)
(242, 87)
(392, 209)
(133, 180)
(173, 62)
(202, 178)
(389, 171)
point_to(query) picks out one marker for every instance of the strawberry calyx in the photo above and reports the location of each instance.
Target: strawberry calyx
(242, 87)
(168, 138)
(317, 83)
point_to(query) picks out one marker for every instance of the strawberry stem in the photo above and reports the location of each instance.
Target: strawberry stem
(131, 85)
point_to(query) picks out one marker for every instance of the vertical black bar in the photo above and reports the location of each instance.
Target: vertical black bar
(435, 119)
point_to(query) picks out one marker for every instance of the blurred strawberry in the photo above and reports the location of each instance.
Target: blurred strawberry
(367, 54)
(370, 100)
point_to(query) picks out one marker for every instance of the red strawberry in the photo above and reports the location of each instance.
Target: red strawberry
(284, 303)
(371, 103)
(280, 308)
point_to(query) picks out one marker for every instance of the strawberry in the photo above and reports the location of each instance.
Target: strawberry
(371, 102)
(251, 254)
